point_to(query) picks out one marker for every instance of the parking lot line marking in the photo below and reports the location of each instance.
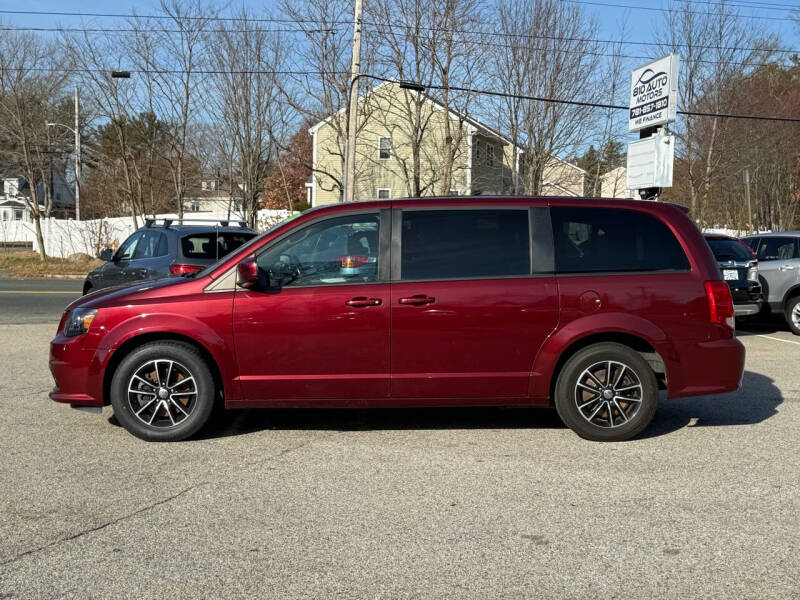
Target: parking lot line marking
(769, 337)
(72, 293)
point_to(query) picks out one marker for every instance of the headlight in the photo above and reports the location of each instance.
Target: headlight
(752, 274)
(79, 321)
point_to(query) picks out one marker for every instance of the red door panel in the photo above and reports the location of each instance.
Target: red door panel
(469, 339)
(323, 342)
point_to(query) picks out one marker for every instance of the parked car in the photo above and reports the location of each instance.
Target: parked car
(166, 249)
(739, 268)
(591, 306)
(779, 272)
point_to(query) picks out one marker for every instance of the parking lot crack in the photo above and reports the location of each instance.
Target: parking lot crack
(102, 525)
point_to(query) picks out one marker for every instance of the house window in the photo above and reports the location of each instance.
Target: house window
(18, 214)
(5, 215)
(384, 147)
(384, 193)
(490, 156)
(477, 151)
(195, 206)
(453, 193)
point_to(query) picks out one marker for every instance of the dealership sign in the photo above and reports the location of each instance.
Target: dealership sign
(654, 93)
(650, 162)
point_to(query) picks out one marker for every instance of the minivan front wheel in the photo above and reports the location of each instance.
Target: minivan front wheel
(163, 391)
(606, 392)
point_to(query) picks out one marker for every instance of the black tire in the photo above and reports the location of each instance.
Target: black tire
(632, 409)
(792, 314)
(183, 362)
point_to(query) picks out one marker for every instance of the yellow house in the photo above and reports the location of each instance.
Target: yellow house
(402, 150)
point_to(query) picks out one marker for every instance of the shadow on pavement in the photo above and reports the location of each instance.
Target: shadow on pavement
(755, 402)
(761, 325)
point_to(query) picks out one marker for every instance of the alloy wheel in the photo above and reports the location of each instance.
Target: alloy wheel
(162, 393)
(608, 394)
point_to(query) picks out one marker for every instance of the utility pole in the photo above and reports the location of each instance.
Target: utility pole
(77, 160)
(352, 117)
(747, 197)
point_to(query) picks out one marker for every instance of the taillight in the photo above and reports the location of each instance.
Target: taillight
(177, 269)
(720, 303)
(353, 262)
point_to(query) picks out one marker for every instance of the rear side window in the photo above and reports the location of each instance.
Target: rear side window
(600, 240)
(777, 248)
(452, 244)
(212, 245)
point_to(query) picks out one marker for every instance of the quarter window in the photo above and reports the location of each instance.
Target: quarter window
(457, 244)
(591, 240)
(334, 251)
(777, 248)
(384, 147)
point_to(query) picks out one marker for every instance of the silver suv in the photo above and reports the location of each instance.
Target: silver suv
(779, 271)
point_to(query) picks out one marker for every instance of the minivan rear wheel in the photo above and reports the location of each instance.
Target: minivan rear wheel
(163, 391)
(606, 392)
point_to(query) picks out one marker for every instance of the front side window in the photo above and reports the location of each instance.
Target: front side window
(777, 248)
(454, 244)
(384, 147)
(128, 247)
(598, 240)
(147, 247)
(334, 251)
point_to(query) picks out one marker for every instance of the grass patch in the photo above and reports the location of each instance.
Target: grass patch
(29, 264)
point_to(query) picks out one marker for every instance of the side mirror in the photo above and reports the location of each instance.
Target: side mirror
(106, 254)
(247, 274)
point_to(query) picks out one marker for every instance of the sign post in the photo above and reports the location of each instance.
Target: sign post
(653, 104)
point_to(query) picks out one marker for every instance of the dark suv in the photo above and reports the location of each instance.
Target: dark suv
(590, 306)
(739, 267)
(166, 249)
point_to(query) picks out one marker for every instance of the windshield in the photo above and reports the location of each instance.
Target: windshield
(243, 247)
(725, 250)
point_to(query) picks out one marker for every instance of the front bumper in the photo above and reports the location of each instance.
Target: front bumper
(77, 370)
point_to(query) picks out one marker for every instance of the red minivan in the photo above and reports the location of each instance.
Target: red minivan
(591, 306)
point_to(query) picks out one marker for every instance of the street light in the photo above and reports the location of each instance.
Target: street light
(77, 134)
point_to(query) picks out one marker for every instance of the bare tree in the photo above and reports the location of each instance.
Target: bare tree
(248, 101)
(32, 78)
(549, 54)
(168, 54)
(715, 47)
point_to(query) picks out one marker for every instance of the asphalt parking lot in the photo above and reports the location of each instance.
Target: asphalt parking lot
(456, 503)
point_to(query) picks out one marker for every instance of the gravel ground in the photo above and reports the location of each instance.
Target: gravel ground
(465, 503)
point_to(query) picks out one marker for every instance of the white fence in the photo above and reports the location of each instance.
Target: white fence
(64, 237)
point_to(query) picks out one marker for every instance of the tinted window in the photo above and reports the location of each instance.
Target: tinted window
(333, 251)
(777, 248)
(128, 247)
(590, 240)
(212, 245)
(447, 244)
(752, 242)
(148, 244)
(725, 250)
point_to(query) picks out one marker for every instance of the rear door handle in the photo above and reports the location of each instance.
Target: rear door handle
(417, 300)
(362, 301)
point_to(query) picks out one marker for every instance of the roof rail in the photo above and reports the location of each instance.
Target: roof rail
(148, 222)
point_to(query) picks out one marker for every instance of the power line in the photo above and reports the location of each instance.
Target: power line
(606, 54)
(587, 104)
(169, 71)
(669, 10)
(168, 17)
(153, 30)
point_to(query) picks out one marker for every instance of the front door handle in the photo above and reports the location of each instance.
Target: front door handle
(362, 301)
(787, 268)
(417, 300)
